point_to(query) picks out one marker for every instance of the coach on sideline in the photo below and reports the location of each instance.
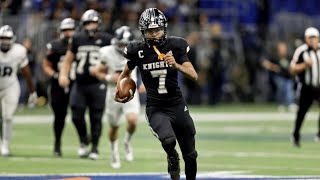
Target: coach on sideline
(306, 65)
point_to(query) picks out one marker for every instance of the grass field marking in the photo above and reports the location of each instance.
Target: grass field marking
(204, 153)
(214, 117)
(233, 129)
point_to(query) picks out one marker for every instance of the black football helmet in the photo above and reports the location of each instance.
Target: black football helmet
(7, 38)
(153, 18)
(122, 37)
(90, 16)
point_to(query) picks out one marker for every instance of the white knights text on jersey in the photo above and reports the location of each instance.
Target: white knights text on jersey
(156, 65)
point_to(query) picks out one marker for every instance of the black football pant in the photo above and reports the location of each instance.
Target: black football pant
(59, 100)
(171, 124)
(92, 96)
(307, 95)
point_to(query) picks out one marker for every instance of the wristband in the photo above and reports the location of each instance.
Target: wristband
(108, 77)
(55, 75)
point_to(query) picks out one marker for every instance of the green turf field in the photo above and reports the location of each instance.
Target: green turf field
(255, 146)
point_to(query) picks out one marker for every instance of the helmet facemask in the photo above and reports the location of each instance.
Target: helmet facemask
(5, 44)
(91, 28)
(154, 36)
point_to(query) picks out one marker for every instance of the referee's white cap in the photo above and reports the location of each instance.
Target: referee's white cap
(311, 32)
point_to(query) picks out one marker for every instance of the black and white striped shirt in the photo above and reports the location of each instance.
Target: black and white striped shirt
(311, 76)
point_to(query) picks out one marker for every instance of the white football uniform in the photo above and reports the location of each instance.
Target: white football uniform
(10, 64)
(116, 62)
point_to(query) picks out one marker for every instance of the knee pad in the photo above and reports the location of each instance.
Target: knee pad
(191, 156)
(169, 143)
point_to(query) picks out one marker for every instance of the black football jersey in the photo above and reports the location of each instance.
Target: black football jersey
(56, 51)
(159, 78)
(86, 51)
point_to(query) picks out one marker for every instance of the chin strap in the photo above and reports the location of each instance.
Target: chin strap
(160, 55)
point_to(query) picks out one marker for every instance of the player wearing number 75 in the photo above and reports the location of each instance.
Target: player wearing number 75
(87, 91)
(159, 58)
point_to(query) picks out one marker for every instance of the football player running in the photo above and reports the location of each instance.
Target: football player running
(58, 97)
(13, 57)
(87, 91)
(113, 62)
(159, 58)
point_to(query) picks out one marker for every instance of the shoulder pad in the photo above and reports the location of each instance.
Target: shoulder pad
(179, 43)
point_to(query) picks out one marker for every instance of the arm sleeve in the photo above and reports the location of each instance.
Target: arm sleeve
(72, 45)
(182, 51)
(23, 58)
(129, 55)
(103, 57)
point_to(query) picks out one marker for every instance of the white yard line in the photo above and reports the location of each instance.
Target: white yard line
(216, 117)
(204, 153)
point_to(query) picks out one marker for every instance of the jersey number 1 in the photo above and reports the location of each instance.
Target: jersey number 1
(162, 74)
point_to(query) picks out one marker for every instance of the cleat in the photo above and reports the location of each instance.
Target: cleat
(57, 150)
(296, 140)
(57, 154)
(128, 152)
(174, 167)
(115, 160)
(5, 151)
(317, 138)
(93, 156)
(83, 151)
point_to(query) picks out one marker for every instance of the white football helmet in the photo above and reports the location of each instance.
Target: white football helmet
(7, 38)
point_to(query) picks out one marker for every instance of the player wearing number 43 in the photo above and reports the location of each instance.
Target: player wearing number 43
(159, 58)
(87, 91)
(13, 57)
(112, 59)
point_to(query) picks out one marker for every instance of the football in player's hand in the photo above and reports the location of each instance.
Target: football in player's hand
(127, 87)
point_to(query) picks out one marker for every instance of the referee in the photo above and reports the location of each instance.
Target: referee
(306, 65)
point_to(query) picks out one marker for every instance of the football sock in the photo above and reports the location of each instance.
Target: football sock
(127, 137)
(6, 130)
(190, 169)
(0, 130)
(114, 146)
(82, 130)
(58, 128)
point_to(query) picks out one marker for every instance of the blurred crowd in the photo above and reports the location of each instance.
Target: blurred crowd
(231, 42)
